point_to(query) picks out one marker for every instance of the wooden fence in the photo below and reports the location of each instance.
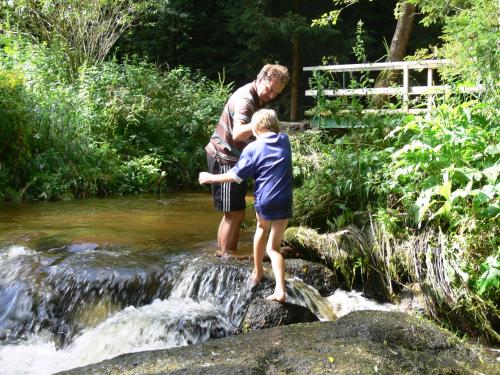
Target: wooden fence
(404, 90)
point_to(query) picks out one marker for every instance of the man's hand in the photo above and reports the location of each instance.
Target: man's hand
(205, 178)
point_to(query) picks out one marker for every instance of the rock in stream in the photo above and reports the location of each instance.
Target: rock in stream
(362, 342)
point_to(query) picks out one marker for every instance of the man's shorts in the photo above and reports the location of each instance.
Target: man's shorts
(228, 196)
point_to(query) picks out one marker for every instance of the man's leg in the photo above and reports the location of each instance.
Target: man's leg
(278, 228)
(229, 231)
(230, 199)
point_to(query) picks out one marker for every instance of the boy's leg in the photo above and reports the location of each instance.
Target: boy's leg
(278, 228)
(259, 245)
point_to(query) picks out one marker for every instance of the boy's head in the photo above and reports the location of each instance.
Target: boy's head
(265, 120)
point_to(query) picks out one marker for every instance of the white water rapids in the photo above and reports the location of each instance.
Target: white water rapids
(203, 303)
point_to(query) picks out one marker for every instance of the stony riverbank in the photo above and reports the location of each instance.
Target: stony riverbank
(362, 342)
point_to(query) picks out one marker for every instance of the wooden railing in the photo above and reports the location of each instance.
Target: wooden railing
(405, 90)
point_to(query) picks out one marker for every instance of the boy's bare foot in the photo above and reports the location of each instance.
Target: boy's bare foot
(278, 297)
(256, 277)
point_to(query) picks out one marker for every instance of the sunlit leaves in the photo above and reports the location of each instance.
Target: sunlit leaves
(447, 166)
(489, 279)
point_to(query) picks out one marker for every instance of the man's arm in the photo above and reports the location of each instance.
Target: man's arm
(244, 107)
(241, 131)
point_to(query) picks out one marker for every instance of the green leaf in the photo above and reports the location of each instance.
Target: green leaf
(424, 202)
(490, 277)
(445, 188)
(492, 173)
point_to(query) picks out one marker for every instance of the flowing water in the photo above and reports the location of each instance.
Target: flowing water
(86, 280)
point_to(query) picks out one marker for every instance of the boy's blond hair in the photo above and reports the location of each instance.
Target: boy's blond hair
(265, 120)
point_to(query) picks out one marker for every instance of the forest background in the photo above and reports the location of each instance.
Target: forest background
(110, 97)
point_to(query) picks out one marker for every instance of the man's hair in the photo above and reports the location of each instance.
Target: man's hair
(265, 119)
(274, 71)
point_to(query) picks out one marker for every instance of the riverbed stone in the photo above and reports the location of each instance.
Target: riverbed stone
(317, 275)
(263, 313)
(362, 342)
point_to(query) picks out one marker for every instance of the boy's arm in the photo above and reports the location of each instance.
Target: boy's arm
(209, 178)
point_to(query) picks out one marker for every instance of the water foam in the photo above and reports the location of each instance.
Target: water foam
(160, 325)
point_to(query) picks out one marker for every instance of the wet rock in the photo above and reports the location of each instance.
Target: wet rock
(363, 342)
(320, 277)
(263, 313)
(82, 247)
(411, 299)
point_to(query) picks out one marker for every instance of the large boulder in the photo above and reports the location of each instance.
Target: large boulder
(362, 342)
(263, 313)
(317, 275)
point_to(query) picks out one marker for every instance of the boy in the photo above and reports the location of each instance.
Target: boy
(269, 161)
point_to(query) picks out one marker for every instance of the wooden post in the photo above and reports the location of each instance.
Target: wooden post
(406, 88)
(430, 96)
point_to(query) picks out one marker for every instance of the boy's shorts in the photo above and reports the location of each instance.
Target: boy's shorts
(228, 196)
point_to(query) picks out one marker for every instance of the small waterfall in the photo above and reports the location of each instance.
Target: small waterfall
(344, 302)
(18, 315)
(160, 325)
(76, 305)
(224, 285)
(64, 308)
(305, 295)
(60, 290)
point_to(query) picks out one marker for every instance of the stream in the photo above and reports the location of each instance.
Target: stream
(86, 280)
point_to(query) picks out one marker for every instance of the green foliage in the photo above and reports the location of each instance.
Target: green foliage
(337, 174)
(84, 31)
(15, 131)
(470, 39)
(332, 16)
(470, 36)
(113, 130)
(488, 282)
(343, 109)
(445, 169)
(140, 174)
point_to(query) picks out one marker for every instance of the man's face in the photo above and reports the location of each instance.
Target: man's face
(269, 89)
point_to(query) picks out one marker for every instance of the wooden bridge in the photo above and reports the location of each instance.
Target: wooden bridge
(404, 90)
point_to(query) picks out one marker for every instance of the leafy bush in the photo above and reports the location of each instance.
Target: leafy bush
(113, 130)
(15, 132)
(470, 35)
(445, 169)
(140, 111)
(336, 176)
(488, 282)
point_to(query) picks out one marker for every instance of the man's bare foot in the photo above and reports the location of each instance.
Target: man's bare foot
(278, 297)
(230, 254)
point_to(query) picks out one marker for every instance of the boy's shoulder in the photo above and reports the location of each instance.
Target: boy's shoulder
(283, 135)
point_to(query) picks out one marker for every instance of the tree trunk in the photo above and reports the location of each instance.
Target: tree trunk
(294, 108)
(397, 50)
(294, 84)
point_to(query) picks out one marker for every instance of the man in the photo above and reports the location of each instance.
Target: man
(232, 134)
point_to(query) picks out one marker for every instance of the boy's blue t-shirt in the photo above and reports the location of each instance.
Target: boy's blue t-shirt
(269, 161)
